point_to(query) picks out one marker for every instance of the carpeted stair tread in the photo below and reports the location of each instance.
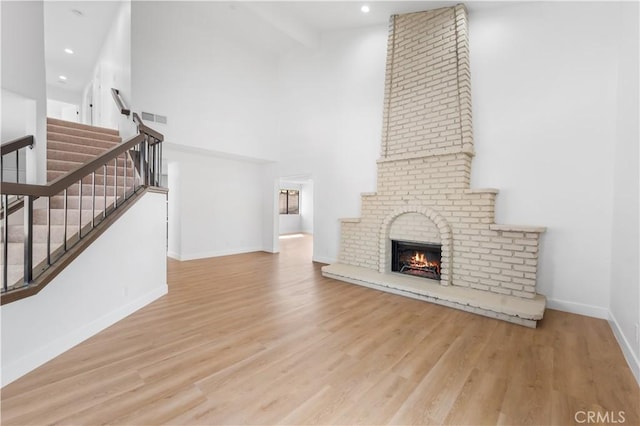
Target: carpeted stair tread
(53, 145)
(16, 233)
(68, 166)
(74, 125)
(70, 131)
(77, 157)
(81, 140)
(55, 174)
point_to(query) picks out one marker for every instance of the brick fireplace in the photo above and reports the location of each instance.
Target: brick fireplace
(424, 198)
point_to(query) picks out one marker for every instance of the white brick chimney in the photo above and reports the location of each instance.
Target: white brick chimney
(424, 193)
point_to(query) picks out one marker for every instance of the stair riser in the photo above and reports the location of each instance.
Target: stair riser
(14, 274)
(57, 217)
(73, 125)
(76, 157)
(68, 147)
(16, 234)
(80, 141)
(16, 253)
(55, 174)
(73, 202)
(65, 166)
(78, 133)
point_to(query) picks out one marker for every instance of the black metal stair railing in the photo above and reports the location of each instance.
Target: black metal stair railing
(94, 184)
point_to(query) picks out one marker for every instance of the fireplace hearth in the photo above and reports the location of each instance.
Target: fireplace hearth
(417, 259)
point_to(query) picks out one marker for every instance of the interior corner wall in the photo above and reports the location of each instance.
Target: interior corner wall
(23, 73)
(216, 92)
(331, 123)
(625, 272)
(174, 213)
(113, 70)
(544, 113)
(220, 204)
(306, 207)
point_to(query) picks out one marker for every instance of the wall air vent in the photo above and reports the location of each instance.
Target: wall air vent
(147, 116)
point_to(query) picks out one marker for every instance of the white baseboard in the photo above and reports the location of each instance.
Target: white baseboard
(173, 255)
(217, 253)
(35, 359)
(578, 308)
(627, 350)
(326, 260)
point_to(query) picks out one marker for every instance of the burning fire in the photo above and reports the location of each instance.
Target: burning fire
(419, 260)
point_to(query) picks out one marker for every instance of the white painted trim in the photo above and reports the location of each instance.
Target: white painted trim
(627, 350)
(578, 308)
(173, 255)
(218, 253)
(35, 359)
(326, 260)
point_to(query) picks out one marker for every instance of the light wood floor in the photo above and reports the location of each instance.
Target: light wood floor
(264, 339)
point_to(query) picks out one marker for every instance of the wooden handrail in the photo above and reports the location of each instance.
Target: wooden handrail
(16, 144)
(72, 177)
(119, 102)
(143, 128)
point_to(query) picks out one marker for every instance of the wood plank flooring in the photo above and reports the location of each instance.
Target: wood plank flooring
(265, 339)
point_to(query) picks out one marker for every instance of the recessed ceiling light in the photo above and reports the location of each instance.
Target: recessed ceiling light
(77, 12)
(69, 51)
(365, 9)
(62, 77)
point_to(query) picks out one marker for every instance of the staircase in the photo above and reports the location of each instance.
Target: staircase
(69, 146)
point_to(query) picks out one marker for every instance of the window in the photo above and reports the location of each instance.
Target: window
(289, 201)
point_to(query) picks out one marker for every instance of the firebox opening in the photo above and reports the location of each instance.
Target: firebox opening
(418, 259)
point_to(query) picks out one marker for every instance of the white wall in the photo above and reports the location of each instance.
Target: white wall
(23, 74)
(331, 123)
(111, 279)
(220, 204)
(625, 275)
(217, 93)
(306, 207)
(544, 105)
(113, 70)
(174, 210)
(63, 111)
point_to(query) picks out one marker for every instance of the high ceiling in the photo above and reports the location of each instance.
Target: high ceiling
(84, 34)
(271, 27)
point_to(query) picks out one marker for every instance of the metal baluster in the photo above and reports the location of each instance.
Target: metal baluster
(115, 186)
(93, 199)
(65, 219)
(28, 238)
(17, 167)
(160, 161)
(124, 184)
(104, 185)
(155, 163)
(141, 151)
(1, 168)
(5, 243)
(48, 230)
(80, 213)
(149, 160)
